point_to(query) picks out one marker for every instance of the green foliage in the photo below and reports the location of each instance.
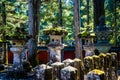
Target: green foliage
(16, 14)
(55, 31)
(50, 13)
(109, 13)
(86, 34)
(109, 5)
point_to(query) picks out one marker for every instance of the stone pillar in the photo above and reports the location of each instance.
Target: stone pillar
(69, 73)
(108, 60)
(68, 62)
(96, 62)
(102, 61)
(88, 64)
(114, 60)
(43, 72)
(17, 50)
(96, 75)
(56, 70)
(55, 54)
(79, 65)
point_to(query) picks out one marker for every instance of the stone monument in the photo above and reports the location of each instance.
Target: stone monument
(55, 45)
(102, 32)
(88, 37)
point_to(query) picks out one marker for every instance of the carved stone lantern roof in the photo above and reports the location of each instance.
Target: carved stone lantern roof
(86, 34)
(19, 36)
(55, 31)
(56, 34)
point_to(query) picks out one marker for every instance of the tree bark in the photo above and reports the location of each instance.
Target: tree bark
(98, 11)
(31, 17)
(115, 27)
(60, 13)
(37, 18)
(3, 14)
(87, 12)
(3, 35)
(78, 43)
(34, 19)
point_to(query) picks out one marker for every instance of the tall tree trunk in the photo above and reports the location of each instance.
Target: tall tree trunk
(87, 12)
(33, 7)
(4, 23)
(78, 42)
(31, 18)
(60, 13)
(3, 18)
(98, 11)
(3, 14)
(37, 17)
(115, 34)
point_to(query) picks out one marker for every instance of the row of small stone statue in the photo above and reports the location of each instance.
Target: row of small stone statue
(95, 67)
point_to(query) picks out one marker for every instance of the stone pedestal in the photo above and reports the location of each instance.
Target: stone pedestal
(88, 64)
(56, 70)
(114, 59)
(114, 74)
(96, 75)
(55, 54)
(108, 60)
(79, 65)
(69, 73)
(102, 61)
(96, 62)
(17, 50)
(43, 72)
(68, 62)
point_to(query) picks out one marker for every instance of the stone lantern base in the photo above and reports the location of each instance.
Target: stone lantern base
(17, 50)
(55, 54)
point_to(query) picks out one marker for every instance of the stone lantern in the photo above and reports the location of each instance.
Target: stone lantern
(17, 49)
(17, 69)
(18, 41)
(55, 48)
(88, 46)
(102, 32)
(55, 45)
